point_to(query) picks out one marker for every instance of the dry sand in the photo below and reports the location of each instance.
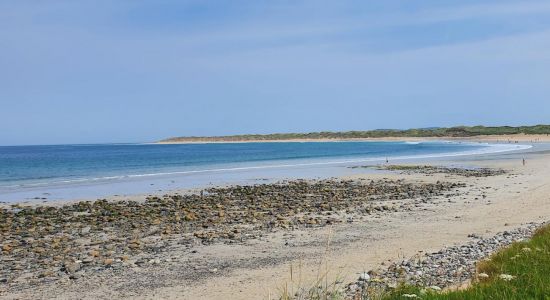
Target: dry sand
(260, 268)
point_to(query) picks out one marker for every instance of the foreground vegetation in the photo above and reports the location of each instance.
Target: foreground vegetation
(520, 271)
(460, 131)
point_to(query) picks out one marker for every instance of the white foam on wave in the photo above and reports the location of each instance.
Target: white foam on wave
(488, 149)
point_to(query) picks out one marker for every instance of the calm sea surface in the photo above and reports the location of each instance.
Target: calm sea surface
(40, 167)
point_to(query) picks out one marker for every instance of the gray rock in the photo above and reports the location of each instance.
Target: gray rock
(71, 267)
(364, 276)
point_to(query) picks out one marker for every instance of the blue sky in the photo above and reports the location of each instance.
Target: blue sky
(132, 71)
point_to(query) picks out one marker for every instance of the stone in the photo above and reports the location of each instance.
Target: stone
(39, 250)
(85, 230)
(353, 287)
(71, 267)
(364, 276)
(449, 266)
(60, 235)
(87, 260)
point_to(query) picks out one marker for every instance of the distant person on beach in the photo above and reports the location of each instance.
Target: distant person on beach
(523, 161)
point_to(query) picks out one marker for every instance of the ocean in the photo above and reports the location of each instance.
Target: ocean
(37, 172)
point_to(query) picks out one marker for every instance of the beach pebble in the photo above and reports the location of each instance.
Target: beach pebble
(85, 230)
(364, 276)
(448, 266)
(72, 267)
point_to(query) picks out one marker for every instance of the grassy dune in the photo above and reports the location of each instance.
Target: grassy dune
(459, 131)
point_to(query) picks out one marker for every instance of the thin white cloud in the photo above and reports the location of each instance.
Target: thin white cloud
(259, 30)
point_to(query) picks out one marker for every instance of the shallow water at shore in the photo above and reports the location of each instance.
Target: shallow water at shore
(301, 160)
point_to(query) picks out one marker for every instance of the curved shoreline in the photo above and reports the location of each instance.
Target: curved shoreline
(316, 161)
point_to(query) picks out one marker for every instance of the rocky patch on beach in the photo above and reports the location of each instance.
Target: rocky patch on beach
(449, 267)
(465, 172)
(44, 243)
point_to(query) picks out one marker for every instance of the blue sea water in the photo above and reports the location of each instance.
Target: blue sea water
(45, 167)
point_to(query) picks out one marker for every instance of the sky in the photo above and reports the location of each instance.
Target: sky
(92, 71)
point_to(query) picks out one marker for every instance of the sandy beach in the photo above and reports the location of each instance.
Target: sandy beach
(340, 242)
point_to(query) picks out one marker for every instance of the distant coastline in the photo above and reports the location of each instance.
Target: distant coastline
(537, 133)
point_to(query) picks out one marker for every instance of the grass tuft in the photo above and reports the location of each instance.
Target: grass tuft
(324, 287)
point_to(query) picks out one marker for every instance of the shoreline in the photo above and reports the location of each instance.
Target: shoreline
(140, 185)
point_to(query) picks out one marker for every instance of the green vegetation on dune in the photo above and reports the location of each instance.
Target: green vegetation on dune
(521, 271)
(460, 131)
